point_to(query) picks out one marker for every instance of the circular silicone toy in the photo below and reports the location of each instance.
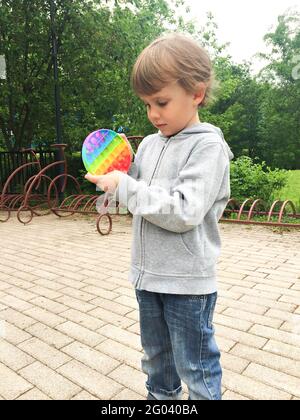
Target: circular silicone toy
(105, 151)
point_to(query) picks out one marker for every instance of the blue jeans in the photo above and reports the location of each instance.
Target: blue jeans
(177, 336)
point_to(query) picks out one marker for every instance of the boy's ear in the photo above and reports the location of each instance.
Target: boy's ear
(200, 94)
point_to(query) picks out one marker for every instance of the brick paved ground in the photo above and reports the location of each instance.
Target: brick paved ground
(69, 321)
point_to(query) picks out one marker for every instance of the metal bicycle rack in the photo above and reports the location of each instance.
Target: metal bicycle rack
(258, 207)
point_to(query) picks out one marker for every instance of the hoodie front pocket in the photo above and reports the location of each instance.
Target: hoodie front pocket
(166, 253)
(190, 252)
(193, 242)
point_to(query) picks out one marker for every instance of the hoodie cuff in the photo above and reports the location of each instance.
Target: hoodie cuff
(126, 184)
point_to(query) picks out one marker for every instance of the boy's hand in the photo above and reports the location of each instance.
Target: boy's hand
(108, 182)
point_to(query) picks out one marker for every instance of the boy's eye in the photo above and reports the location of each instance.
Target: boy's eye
(160, 104)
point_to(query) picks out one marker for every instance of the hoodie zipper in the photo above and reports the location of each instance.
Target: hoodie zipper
(139, 280)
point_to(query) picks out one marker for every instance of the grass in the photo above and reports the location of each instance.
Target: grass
(260, 218)
(292, 190)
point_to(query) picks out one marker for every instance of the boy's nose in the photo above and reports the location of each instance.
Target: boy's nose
(154, 115)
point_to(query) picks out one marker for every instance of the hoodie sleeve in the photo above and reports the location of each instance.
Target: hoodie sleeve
(192, 195)
(134, 168)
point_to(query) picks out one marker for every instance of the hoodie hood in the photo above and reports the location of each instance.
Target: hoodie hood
(200, 128)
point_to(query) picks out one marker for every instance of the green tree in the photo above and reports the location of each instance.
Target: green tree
(98, 43)
(279, 127)
(26, 99)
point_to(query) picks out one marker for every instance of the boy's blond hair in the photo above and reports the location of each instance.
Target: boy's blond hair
(173, 58)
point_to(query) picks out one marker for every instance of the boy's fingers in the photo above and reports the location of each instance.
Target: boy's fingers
(92, 178)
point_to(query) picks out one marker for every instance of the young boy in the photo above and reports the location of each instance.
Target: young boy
(177, 190)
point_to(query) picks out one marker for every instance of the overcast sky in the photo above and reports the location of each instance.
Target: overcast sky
(243, 23)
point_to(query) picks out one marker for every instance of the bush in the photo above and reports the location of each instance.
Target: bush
(255, 180)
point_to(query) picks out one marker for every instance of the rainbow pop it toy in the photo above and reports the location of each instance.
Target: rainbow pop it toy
(105, 151)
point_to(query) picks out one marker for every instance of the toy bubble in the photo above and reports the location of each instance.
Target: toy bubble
(104, 151)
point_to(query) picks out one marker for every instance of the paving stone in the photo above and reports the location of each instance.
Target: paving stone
(130, 378)
(49, 335)
(252, 389)
(129, 395)
(44, 316)
(111, 306)
(11, 384)
(81, 334)
(253, 318)
(49, 304)
(282, 349)
(276, 379)
(234, 363)
(232, 396)
(84, 396)
(44, 353)
(15, 303)
(94, 382)
(90, 357)
(109, 317)
(121, 352)
(264, 358)
(239, 336)
(77, 304)
(12, 357)
(271, 333)
(17, 318)
(13, 334)
(50, 382)
(124, 337)
(232, 322)
(268, 303)
(87, 321)
(34, 394)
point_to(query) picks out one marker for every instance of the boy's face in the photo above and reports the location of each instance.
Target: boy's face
(172, 109)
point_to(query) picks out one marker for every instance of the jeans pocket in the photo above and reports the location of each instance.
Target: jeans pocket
(197, 297)
(212, 310)
(199, 300)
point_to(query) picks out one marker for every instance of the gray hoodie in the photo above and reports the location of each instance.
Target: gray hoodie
(177, 190)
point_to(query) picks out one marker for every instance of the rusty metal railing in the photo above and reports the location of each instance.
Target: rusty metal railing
(77, 203)
(259, 207)
(10, 202)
